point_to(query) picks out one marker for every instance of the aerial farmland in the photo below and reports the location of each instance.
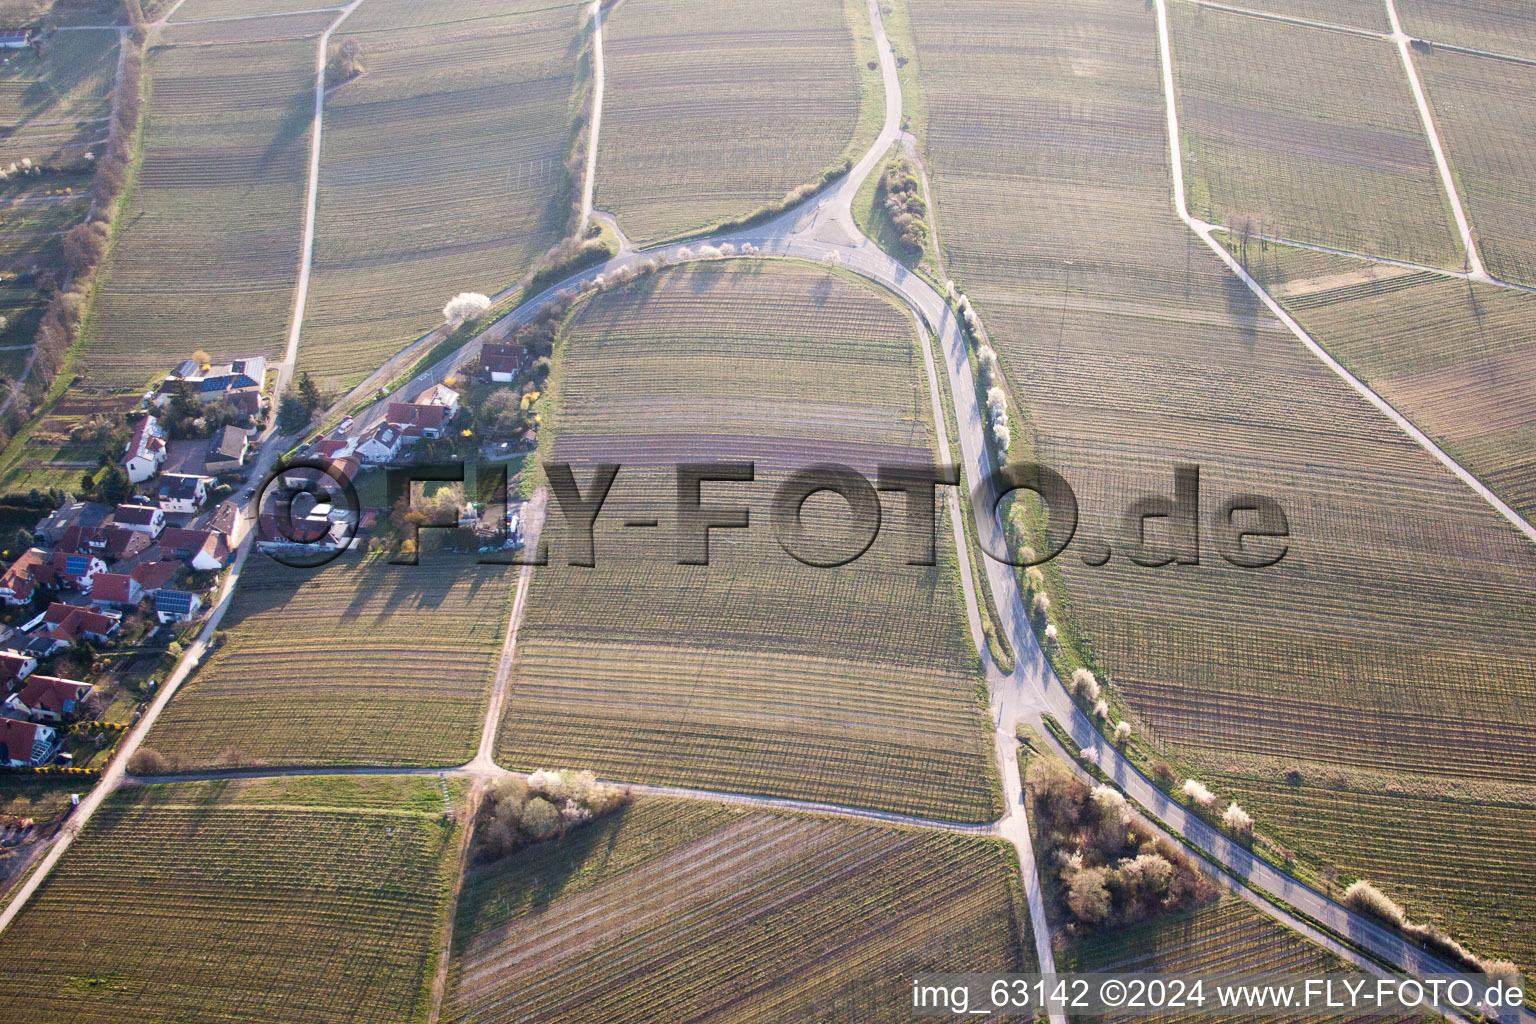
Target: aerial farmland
(825, 510)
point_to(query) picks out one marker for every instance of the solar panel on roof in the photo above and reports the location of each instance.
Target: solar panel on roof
(175, 601)
(77, 565)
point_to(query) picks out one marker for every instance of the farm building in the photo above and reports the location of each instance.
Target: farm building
(213, 382)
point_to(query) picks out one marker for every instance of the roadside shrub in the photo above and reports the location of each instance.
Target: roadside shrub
(1042, 604)
(1085, 685)
(1101, 710)
(465, 306)
(147, 761)
(515, 812)
(1199, 795)
(1367, 899)
(1122, 732)
(344, 62)
(1237, 820)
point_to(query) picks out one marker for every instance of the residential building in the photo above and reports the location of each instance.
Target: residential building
(50, 699)
(145, 453)
(443, 395)
(145, 519)
(203, 550)
(380, 445)
(76, 571)
(177, 605)
(502, 360)
(50, 529)
(156, 576)
(14, 667)
(117, 589)
(417, 421)
(183, 492)
(25, 575)
(227, 450)
(112, 543)
(68, 623)
(24, 744)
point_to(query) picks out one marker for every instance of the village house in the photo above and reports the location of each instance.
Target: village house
(111, 543)
(443, 395)
(153, 577)
(19, 582)
(50, 529)
(502, 360)
(76, 571)
(14, 667)
(381, 445)
(177, 605)
(182, 492)
(65, 624)
(50, 699)
(203, 550)
(145, 453)
(417, 421)
(213, 382)
(117, 589)
(24, 744)
(227, 450)
(145, 519)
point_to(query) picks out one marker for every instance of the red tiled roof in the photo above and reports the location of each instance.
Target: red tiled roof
(154, 575)
(428, 417)
(110, 543)
(69, 621)
(11, 665)
(502, 357)
(138, 515)
(50, 692)
(115, 587)
(186, 544)
(18, 738)
(23, 573)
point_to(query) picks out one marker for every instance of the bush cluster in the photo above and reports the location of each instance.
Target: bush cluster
(1365, 898)
(516, 812)
(901, 194)
(567, 258)
(1112, 870)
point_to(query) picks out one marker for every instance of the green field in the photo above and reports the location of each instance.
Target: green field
(857, 684)
(1504, 26)
(71, 81)
(716, 107)
(360, 662)
(1399, 623)
(207, 248)
(1307, 134)
(671, 910)
(442, 171)
(1489, 132)
(60, 446)
(1453, 357)
(1227, 936)
(291, 902)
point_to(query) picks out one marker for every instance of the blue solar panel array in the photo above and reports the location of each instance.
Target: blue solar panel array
(77, 565)
(176, 602)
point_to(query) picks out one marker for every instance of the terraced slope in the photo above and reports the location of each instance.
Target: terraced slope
(293, 902)
(1308, 134)
(672, 910)
(360, 662)
(756, 672)
(443, 171)
(1397, 633)
(715, 107)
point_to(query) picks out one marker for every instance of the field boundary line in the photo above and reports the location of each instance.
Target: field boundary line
(485, 754)
(255, 17)
(1290, 19)
(1427, 119)
(1204, 230)
(311, 203)
(597, 116)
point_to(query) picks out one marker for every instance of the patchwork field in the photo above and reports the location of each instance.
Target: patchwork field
(305, 900)
(1488, 127)
(672, 910)
(855, 684)
(1434, 844)
(1227, 936)
(1453, 357)
(207, 248)
(443, 170)
(1504, 26)
(360, 662)
(716, 107)
(1397, 632)
(1305, 133)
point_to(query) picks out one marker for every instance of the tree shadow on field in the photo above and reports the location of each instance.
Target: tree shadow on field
(1245, 310)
